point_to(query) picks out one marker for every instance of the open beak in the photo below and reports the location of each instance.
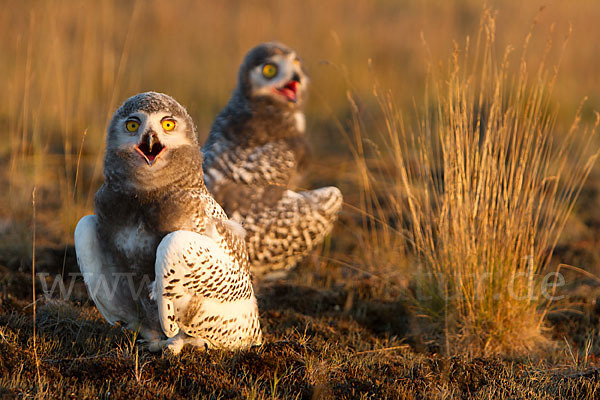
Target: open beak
(290, 90)
(150, 147)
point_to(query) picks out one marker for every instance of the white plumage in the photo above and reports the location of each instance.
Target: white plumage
(191, 270)
(156, 222)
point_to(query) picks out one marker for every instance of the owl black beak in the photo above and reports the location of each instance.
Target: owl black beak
(150, 147)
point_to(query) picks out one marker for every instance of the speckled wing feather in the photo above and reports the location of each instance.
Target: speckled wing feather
(280, 235)
(282, 226)
(204, 292)
(203, 287)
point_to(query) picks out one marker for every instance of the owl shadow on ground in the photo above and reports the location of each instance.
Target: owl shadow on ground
(380, 318)
(82, 332)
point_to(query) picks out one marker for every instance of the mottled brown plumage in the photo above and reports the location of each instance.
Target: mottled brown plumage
(252, 157)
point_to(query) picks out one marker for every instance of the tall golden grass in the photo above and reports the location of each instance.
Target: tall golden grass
(482, 190)
(66, 66)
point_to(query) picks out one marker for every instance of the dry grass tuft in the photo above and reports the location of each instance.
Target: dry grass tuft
(482, 191)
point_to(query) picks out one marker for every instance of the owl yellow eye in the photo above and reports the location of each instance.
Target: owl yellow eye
(269, 70)
(168, 124)
(132, 125)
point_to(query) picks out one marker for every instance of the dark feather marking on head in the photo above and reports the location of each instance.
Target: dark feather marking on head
(257, 56)
(119, 165)
(152, 102)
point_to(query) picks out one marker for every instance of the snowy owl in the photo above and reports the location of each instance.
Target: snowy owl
(251, 158)
(156, 223)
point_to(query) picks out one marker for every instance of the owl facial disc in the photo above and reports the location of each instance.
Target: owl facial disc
(150, 147)
(272, 70)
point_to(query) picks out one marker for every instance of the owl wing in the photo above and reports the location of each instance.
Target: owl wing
(279, 234)
(210, 219)
(100, 274)
(202, 289)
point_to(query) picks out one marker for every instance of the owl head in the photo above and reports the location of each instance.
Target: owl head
(273, 71)
(149, 139)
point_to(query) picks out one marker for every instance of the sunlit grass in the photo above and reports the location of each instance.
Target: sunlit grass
(68, 67)
(482, 190)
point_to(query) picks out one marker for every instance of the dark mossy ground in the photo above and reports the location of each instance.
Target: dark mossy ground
(322, 340)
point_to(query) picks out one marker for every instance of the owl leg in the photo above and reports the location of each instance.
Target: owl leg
(148, 335)
(176, 343)
(108, 288)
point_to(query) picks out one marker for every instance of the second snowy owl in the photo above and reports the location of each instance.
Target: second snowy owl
(251, 159)
(156, 222)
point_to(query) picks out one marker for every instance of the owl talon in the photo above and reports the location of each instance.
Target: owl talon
(175, 344)
(155, 346)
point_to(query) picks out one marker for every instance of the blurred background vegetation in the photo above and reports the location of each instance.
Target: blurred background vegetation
(67, 65)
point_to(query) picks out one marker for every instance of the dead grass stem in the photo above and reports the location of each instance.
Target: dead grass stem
(483, 187)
